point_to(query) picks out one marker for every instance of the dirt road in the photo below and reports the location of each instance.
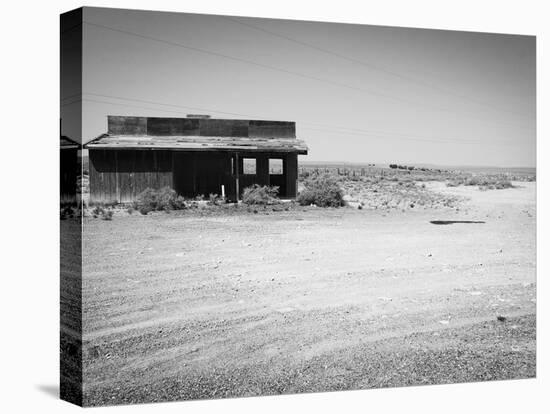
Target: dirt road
(180, 306)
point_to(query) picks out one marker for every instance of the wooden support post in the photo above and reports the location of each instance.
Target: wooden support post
(194, 172)
(117, 176)
(291, 172)
(237, 168)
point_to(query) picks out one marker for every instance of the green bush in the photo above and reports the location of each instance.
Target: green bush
(165, 199)
(262, 195)
(322, 192)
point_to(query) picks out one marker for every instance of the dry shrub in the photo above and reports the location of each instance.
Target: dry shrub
(260, 195)
(322, 191)
(98, 211)
(454, 183)
(215, 200)
(165, 199)
(67, 212)
(108, 215)
(501, 184)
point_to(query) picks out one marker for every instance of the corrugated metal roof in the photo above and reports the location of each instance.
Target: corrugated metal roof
(199, 143)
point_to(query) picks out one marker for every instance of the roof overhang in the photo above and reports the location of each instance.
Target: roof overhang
(198, 143)
(68, 143)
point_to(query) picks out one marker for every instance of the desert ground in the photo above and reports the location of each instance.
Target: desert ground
(184, 305)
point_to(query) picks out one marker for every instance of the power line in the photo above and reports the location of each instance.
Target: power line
(71, 103)
(277, 69)
(402, 138)
(244, 115)
(194, 108)
(71, 96)
(133, 106)
(371, 66)
(250, 62)
(333, 129)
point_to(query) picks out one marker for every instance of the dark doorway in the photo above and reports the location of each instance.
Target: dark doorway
(201, 173)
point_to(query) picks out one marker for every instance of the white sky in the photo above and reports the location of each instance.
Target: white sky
(357, 93)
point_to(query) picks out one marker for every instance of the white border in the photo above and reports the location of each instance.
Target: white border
(30, 285)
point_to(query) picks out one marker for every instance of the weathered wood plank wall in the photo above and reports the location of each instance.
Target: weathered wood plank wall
(119, 176)
(135, 126)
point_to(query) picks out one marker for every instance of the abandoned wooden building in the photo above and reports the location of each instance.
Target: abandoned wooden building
(69, 167)
(196, 155)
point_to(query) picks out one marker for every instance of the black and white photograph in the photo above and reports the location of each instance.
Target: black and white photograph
(286, 206)
(255, 207)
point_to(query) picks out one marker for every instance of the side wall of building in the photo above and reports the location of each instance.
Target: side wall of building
(69, 169)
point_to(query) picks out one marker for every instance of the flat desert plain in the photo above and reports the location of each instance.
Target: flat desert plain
(183, 305)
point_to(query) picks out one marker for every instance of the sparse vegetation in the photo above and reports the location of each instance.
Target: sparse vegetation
(101, 210)
(363, 187)
(260, 195)
(322, 191)
(67, 212)
(485, 182)
(215, 200)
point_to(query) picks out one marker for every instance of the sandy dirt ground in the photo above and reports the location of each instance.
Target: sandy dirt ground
(178, 306)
